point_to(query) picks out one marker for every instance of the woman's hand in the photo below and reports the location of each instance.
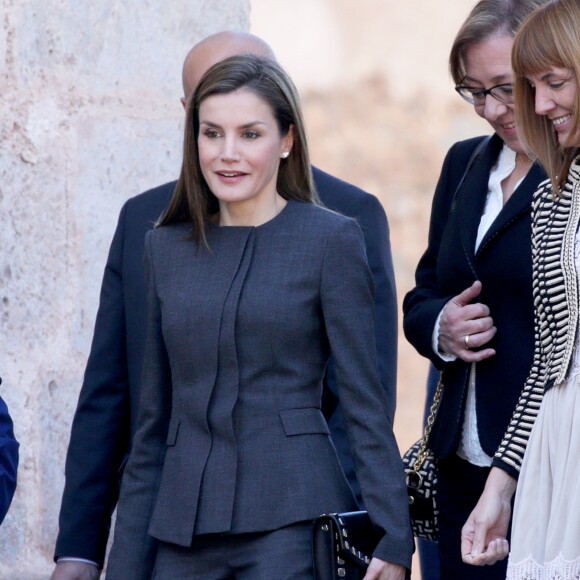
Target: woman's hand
(484, 535)
(380, 570)
(464, 326)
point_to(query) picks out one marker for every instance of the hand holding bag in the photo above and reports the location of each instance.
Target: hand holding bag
(343, 545)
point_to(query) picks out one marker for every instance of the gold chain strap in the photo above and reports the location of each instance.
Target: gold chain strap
(423, 451)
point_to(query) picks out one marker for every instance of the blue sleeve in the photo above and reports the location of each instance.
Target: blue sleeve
(375, 229)
(100, 432)
(8, 459)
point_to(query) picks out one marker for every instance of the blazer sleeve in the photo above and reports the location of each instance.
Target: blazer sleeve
(375, 229)
(8, 460)
(348, 311)
(422, 305)
(133, 552)
(93, 467)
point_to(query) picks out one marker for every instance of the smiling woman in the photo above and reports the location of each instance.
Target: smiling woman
(252, 287)
(488, 64)
(556, 93)
(240, 147)
(545, 427)
(471, 311)
(544, 432)
(247, 139)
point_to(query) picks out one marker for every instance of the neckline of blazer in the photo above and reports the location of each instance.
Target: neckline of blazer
(279, 217)
(472, 195)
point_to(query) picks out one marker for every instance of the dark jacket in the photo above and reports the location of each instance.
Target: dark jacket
(230, 434)
(503, 265)
(106, 414)
(8, 459)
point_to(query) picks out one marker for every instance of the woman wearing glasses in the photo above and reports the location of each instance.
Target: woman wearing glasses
(471, 312)
(543, 440)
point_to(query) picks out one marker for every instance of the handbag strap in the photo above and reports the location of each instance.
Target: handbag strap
(423, 451)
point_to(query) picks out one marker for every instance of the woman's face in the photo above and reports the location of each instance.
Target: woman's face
(488, 64)
(556, 90)
(240, 147)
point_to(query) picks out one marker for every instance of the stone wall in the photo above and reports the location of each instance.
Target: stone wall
(89, 116)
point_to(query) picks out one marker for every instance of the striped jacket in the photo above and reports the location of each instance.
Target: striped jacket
(555, 288)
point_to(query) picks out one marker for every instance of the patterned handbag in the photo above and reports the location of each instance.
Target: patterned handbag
(421, 478)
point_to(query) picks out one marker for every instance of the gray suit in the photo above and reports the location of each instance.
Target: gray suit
(230, 435)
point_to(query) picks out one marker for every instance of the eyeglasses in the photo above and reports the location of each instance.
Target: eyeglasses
(503, 93)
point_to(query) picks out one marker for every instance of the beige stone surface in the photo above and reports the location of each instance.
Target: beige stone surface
(89, 116)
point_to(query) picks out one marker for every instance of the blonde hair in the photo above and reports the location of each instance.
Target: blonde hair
(487, 18)
(549, 38)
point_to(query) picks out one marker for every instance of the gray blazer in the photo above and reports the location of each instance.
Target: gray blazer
(230, 435)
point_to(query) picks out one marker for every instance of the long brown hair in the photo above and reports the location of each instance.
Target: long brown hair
(193, 200)
(550, 37)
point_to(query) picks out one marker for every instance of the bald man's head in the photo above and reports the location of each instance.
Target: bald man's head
(215, 48)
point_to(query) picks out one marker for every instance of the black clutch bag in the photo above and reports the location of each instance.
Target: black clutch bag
(343, 545)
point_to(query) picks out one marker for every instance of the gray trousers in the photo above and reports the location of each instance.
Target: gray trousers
(284, 554)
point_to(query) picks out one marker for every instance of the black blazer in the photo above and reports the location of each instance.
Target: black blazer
(110, 393)
(503, 265)
(230, 434)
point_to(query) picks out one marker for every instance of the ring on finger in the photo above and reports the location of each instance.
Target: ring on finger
(466, 341)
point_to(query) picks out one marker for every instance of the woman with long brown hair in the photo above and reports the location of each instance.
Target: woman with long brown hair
(252, 287)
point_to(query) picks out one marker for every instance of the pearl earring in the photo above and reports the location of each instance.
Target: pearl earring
(284, 154)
